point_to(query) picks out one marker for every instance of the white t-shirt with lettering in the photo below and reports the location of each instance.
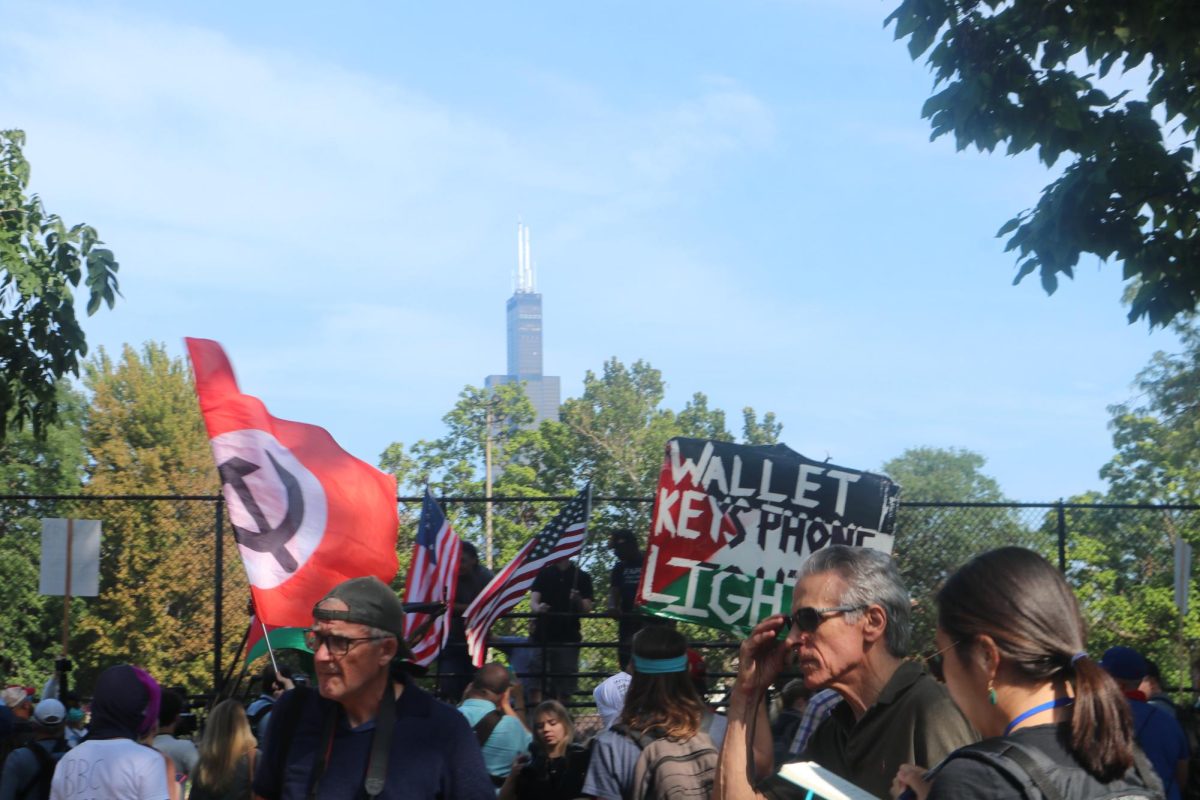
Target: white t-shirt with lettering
(110, 769)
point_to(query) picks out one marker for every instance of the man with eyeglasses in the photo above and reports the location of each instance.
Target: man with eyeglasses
(849, 630)
(367, 731)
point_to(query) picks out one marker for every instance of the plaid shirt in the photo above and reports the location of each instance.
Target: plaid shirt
(818, 708)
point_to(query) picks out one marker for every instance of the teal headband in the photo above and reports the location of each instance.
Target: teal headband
(659, 666)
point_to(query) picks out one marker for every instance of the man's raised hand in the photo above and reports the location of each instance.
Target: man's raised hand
(761, 658)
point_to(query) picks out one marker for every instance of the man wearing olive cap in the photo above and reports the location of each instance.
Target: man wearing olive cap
(367, 729)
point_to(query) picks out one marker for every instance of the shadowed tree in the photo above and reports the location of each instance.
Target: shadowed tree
(1030, 74)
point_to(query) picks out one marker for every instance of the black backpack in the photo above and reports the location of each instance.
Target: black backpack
(45, 774)
(1042, 778)
(255, 719)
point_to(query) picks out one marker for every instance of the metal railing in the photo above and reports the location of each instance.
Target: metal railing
(171, 578)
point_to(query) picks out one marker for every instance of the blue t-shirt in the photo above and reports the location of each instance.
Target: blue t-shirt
(509, 738)
(1164, 742)
(610, 774)
(433, 752)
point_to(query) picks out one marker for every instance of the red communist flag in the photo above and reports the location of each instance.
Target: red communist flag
(306, 514)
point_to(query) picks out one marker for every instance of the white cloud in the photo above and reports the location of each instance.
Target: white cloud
(319, 220)
(179, 134)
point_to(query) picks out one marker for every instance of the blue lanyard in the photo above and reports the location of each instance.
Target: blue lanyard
(1057, 702)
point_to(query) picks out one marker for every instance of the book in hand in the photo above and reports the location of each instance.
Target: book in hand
(822, 783)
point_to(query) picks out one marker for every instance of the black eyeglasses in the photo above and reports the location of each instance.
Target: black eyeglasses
(936, 663)
(808, 619)
(337, 645)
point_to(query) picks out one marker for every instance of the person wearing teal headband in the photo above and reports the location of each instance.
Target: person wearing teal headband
(660, 666)
(661, 703)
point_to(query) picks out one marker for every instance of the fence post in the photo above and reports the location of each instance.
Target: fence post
(545, 658)
(1062, 537)
(219, 593)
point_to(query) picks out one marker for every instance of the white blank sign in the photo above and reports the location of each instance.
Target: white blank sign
(85, 557)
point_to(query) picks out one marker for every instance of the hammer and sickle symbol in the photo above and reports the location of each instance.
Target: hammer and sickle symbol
(266, 539)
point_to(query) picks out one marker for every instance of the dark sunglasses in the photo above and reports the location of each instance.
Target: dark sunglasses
(808, 619)
(337, 646)
(935, 663)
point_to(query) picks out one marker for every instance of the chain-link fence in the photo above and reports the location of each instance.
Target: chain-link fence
(173, 595)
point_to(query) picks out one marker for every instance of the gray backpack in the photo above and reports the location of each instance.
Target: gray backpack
(670, 769)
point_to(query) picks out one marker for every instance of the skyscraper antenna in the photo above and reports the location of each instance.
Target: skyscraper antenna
(525, 282)
(528, 287)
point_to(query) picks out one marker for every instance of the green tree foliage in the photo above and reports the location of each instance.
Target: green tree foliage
(756, 431)
(29, 466)
(1121, 563)
(1157, 440)
(41, 261)
(613, 435)
(145, 435)
(932, 542)
(1027, 74)
(455, 465)
(1124, 563)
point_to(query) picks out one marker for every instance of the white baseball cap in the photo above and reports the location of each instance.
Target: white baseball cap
(49, 713)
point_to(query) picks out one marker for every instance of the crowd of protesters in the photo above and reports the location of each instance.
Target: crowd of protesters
(1010, 705)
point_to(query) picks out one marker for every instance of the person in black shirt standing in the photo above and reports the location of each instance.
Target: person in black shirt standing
(560, 593)
(623, 588)
(455, 668)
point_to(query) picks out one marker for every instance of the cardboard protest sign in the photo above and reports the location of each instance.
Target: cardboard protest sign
(733, 523)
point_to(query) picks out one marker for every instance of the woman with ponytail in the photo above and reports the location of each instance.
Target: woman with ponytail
(1011, 644)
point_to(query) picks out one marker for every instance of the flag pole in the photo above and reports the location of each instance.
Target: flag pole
(587, 535)
(270, 649)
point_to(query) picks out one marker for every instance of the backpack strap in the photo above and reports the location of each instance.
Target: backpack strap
(487, 723)
(1145, 770)
(1028, 761)
(1015, 761)
(642, 739)
(381, 743)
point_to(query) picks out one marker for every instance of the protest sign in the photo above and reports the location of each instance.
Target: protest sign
(733, 523)
(70, 557)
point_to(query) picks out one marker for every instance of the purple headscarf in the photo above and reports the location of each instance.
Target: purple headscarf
(125, 704)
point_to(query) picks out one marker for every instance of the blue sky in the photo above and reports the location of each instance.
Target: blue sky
(742, 194)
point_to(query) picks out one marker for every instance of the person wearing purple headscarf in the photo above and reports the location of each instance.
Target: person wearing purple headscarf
(111, 764)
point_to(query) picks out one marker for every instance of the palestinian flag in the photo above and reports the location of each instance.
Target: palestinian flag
(281, 639)
(732, 524)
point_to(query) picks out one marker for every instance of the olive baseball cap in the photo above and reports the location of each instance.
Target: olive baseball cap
(369, 601)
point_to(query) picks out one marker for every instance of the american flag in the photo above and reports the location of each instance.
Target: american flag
(561, 539)
(432, 578)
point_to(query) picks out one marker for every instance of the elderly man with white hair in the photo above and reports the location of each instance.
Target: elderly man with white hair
(849, 630)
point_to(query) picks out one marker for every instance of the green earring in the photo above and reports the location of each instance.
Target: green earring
(991, 693)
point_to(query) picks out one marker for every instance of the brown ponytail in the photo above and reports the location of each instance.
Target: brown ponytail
(1101, 723)
(1017, 598)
